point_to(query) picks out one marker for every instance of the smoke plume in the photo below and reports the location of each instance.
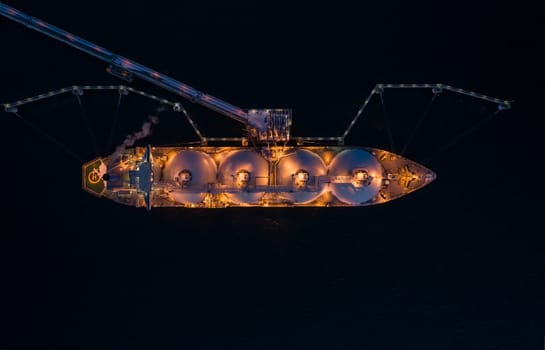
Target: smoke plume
(131, 139)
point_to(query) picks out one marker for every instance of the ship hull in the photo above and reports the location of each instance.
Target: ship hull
(220, 177)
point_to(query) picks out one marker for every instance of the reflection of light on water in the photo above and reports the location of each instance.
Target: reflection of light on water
(273, 223)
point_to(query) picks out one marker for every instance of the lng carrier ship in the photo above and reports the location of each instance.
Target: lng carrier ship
(267, 167)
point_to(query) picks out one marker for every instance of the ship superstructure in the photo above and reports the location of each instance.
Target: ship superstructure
(266, 167)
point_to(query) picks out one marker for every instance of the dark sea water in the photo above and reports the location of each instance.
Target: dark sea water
(456, 265)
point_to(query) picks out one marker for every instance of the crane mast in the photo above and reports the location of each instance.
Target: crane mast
(262, 125)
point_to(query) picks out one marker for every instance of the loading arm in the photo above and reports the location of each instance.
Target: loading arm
(124, 68)
(436, 89)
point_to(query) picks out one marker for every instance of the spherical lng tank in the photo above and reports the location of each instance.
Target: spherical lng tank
(190, 173)
(301, 173)
(243, 176)
(356, 176)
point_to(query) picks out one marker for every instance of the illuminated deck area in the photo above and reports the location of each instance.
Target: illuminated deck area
(219, 177)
